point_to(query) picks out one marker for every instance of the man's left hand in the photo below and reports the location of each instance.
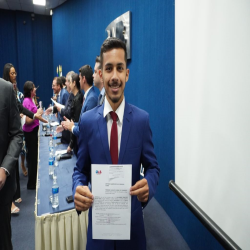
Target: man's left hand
(141, 190)
(67, 124)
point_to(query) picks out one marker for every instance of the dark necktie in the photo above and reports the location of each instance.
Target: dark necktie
(99, 99)
(114, 139)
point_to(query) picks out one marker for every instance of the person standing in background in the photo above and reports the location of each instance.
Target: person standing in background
(11, 138)
(98, 81)
(30, 129)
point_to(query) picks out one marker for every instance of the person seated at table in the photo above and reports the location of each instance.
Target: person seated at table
(75, 110)
(30, 129)
(66, 110)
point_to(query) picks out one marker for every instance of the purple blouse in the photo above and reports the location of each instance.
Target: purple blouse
(30, 105)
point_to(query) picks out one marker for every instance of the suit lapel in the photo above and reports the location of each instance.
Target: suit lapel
(127, 122)
(102, 124)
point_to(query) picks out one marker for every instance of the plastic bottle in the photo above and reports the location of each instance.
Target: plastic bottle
(54, 137)
(51, 146)
(51, 163)
(55, 194)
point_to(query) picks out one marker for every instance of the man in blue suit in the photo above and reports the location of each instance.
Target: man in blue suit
(62, 96)
(90, 98)
(135, 146)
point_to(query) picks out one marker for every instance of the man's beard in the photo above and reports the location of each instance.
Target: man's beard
(115, 99)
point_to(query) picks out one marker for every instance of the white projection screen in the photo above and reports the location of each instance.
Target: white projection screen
(212, 110)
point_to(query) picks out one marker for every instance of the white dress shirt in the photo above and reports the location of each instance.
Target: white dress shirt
(120, 112)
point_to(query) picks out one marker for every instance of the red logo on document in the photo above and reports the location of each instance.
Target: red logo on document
(98, 172)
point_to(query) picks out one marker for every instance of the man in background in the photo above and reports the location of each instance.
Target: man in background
(98, 81)
(62, 96)
(89, 100)
(11, 139)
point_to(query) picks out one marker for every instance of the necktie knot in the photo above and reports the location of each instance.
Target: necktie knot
(113, 116)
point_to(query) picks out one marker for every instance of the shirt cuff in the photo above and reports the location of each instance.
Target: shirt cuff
(72, 129)
(6, 171)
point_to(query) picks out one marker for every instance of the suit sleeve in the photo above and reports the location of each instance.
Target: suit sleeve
(15, 134)
(23, 110)
(92, 103)
(149, 161)
(81, 175)
(66, 111)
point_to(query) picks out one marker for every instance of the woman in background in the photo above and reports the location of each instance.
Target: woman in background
(30, 129)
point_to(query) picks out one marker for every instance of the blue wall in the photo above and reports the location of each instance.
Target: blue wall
(78, 32)
(29, 48)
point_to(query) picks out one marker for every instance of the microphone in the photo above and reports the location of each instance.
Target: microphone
(63, 157)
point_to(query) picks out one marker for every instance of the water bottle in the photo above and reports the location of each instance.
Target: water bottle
(54, 137)
(51, 163)
(55, 194)
(51, 146)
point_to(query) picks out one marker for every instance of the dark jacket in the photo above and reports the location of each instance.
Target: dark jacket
(75, 112)
(11, 139)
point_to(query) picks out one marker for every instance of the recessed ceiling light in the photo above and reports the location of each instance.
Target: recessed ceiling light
(39, 2)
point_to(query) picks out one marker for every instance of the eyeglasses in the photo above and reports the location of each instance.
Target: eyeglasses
(13, 73)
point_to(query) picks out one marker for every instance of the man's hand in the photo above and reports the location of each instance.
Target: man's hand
(83, 198)
(59, 129)
(40, 111)
(69, 149)
(140, 189)
(21, 115)
(58, 108)
(2, 178)
(48, 110)
(38, 116)
(67, 124)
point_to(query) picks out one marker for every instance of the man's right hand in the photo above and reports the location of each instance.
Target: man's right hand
(59, 129)
(83, 198)
(2, 178)
(48, 111)
(38, 116)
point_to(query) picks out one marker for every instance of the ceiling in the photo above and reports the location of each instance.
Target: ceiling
(27, 5)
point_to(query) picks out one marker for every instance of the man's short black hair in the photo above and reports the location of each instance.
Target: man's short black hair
(87, 71)
(98, 60)
(113, 43)
(59, 81)
(28, 86)
(63, 80)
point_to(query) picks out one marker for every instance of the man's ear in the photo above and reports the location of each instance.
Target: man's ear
(127, 74)
(100, 73)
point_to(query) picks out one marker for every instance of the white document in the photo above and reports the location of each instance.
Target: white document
(111, 209)
(61, 152)
(54, 124)
(57, 104)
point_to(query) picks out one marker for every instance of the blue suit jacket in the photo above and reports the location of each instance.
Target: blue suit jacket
(89, 103)
(136, 148)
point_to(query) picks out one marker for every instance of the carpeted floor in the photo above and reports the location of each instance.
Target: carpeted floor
(161, 233)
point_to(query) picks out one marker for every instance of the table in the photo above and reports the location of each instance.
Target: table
(59, 228)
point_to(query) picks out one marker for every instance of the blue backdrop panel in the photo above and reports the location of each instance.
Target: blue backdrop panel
(78, 29)
(27, 45)
(8, 41)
